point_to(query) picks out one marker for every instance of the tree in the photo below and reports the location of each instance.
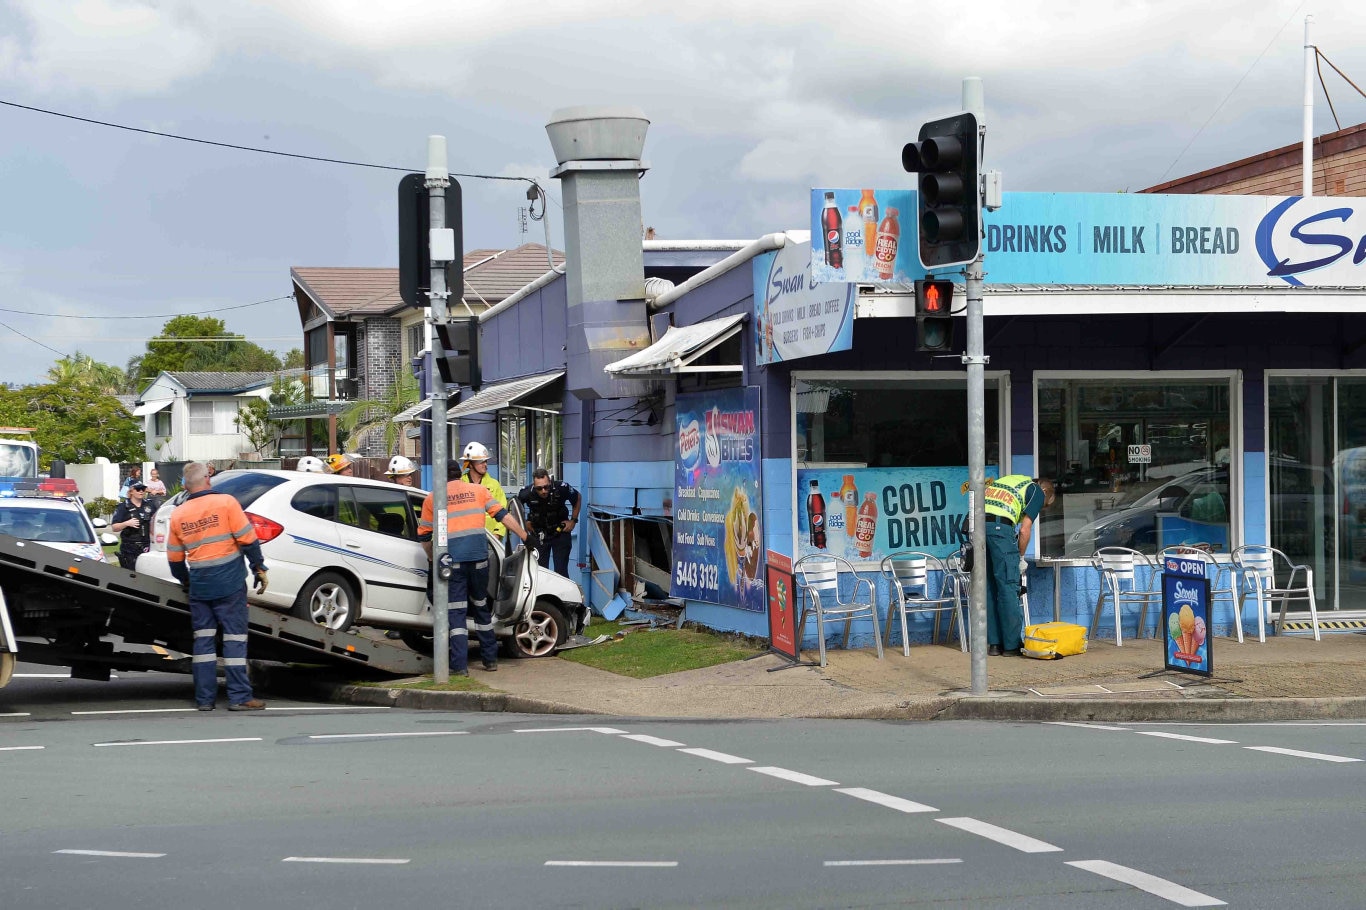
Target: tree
(74, 422)
(207, 346)
(86, 370)
(294, 360)
(252, 421)
(366, 417)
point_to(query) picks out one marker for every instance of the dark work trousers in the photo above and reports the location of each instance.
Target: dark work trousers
(558, 545)
(207, 617)
(469, 590)
(1003, 586)
(129, 558)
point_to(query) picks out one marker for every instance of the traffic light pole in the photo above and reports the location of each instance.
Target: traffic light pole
(438, 178)
(976, 362)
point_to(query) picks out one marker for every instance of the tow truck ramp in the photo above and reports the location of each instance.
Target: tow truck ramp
(78, 606)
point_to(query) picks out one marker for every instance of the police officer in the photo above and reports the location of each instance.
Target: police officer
(546, 503)
(1012, 505)
(476, 461)
(208, 536)
(133, 523)
(467, 505)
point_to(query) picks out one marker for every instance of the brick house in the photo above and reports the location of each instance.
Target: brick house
(1339, 170)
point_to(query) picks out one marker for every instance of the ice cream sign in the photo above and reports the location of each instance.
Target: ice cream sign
(1186, 616)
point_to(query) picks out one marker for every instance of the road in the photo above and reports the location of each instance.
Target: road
(369, 808)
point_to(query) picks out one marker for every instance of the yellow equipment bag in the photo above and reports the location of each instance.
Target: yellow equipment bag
(1052, 640)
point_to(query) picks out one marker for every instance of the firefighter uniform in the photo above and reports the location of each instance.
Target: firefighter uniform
(1009, 499)
(468, 506)
(496, 491)
(209, 536)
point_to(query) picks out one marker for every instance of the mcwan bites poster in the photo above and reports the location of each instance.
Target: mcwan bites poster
(718, 537)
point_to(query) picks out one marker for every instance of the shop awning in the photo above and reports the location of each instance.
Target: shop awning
(678, 350)
(533, 392)
(151, 407)
(317, 408)
(414, 413)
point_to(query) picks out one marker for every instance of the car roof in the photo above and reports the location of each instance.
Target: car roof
(40, 502)
(308, 478)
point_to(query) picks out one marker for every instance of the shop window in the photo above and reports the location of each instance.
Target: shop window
(1142, 464)
(528, 440)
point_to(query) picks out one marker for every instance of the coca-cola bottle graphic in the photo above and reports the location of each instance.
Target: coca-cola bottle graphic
(888, 239)
(815, 516)
(866, 528)
(831, 226)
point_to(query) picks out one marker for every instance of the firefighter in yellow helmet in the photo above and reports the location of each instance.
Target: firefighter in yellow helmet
(340, 464)
(475, 459)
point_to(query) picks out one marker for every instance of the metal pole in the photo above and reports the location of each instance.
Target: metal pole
(1308, 163)
(438, 178)
(977, 437)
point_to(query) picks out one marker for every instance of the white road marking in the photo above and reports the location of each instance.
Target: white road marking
(1250, 723)
(1296, 753)
(1151, 883)
(1189, 739)
(41, 676)
(652, 740)
(20, 748)
(890, 862)
(357, 860)
(183, 742)
(16, 714)
(139, 711)
(622, 864)
(886, 799)
(608, 730)
(111, 853)
(1068, 723)
(796, 777)
(331, 708)
(388, 735)
(1021, 842)
(717, 756)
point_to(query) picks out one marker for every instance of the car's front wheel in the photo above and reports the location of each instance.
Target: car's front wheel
(540, 633)
(328, 600)
(417, 640)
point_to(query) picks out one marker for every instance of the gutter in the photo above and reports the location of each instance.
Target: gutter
(764, 244)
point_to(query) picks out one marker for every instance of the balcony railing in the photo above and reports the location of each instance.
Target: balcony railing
(324, 384)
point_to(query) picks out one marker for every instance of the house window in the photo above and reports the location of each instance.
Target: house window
(416, 340)
(201, 418)
(161, 422)
(210, 418)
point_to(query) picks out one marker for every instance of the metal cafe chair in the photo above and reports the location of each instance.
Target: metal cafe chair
(957, 575)
(1120, 582)
(818, 581)
(1223, 584)
(1257, 567)
(908, 575)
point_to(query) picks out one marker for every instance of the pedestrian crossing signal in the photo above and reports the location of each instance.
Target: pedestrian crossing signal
(457, 352)
(933, 315)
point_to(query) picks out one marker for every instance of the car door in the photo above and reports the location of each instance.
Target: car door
(379, 535)
(516, 587)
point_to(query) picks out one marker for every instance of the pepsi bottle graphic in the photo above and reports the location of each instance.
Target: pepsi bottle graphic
(832, 226)
(815, 516)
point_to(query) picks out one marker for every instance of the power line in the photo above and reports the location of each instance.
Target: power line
(34, 340)
(240, 306)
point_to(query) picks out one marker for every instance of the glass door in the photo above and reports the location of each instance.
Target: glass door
(1350, 504)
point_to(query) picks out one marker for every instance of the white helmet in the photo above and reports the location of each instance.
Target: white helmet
(400, 465)
(310, 464)
(475, 451)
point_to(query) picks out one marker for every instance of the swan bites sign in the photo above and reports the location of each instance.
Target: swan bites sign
(718, 538)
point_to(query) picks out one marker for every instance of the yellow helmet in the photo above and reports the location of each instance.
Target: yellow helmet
(338, 463)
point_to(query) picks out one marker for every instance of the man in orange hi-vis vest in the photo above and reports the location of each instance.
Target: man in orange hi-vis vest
(466, 505)
(209, 535)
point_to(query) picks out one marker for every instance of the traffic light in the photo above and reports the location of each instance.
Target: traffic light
(949, 213)
(933, 315)
(457, 352)
(414, 250)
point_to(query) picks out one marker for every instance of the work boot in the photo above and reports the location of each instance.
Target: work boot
(208, 707)
(460, 672)
(491, 667)
(254, 705)
(993, 650)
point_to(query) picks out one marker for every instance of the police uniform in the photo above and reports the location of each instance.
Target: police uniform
(133, 542)
(208, 537)
(1009, 500)
(468, 506)
(546, 517)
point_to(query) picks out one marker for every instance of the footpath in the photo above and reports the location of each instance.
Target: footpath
(1288, 677)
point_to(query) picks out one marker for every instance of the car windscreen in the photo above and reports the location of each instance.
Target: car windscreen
(245, 486)
(45, 525)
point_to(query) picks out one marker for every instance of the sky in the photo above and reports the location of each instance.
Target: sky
(751, 105)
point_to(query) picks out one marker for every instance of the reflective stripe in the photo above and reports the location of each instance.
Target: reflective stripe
(1005, 497)
(174, 548)
(204, 633)
(203, 658)
(242, 637)
(473, 511)
(482, 564)
(481, 626)
(234, 661)
(464, 504)
(459, 633)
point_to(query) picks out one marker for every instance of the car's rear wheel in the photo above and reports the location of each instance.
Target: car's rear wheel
(328, 600)
(419, 641)
(540, 633)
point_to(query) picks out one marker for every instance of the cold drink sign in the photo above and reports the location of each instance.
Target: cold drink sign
(1186, 617)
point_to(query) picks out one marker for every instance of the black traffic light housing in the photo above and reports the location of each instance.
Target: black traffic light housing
(948, 208)
(933, 315)
(456, 352)
(414, 247)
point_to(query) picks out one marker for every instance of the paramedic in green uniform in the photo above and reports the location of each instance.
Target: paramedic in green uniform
(1013, 504)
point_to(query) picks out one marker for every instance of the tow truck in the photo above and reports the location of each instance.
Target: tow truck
(61, 609)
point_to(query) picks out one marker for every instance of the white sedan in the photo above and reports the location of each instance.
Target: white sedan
(343, 551)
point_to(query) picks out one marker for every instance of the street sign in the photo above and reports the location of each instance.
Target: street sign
(1141, 454)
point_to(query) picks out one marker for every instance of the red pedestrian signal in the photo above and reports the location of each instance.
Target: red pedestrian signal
(933, 315)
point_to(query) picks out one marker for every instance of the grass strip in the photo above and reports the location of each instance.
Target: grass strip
(643, 653)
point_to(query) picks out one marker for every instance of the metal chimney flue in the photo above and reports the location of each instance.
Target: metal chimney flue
(598, 153)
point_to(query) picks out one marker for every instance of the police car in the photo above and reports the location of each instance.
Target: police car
(343, 551)
(50, 512)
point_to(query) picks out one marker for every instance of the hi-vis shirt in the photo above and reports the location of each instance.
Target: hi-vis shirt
(1009, 497)
(208, 537)
(467, 505)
